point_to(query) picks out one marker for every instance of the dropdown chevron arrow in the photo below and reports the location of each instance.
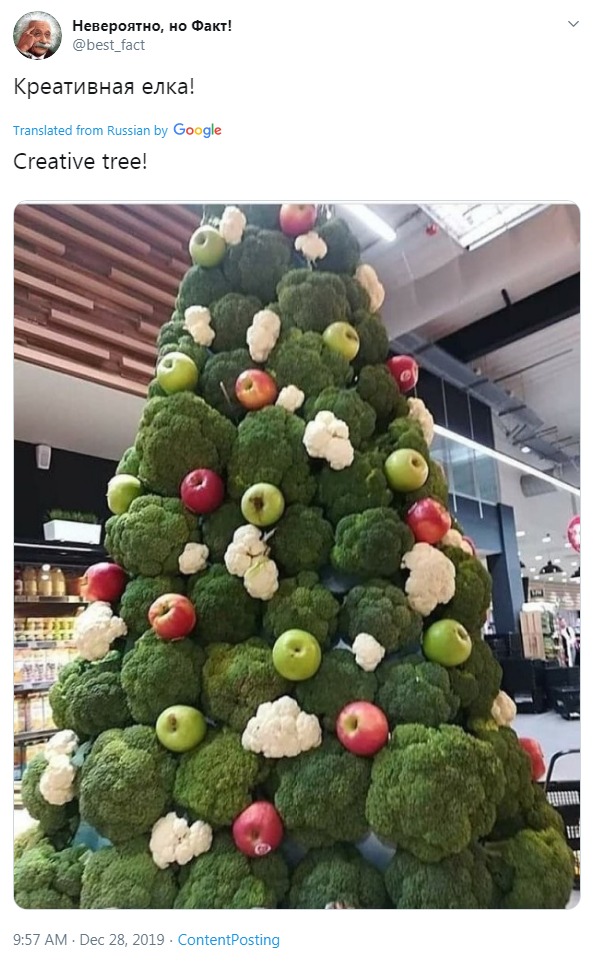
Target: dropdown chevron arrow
(573, 24)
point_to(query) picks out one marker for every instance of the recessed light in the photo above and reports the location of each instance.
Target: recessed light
(564, 580)
(519, 554)
(556, 561)
(538, 558)
(551, 578)
(532, 570)
(537, 578)
(546, 538)
(525, 449)
(520, 534)
(574, 564)
(567, 545)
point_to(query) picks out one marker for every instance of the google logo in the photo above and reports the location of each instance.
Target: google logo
(211, 131)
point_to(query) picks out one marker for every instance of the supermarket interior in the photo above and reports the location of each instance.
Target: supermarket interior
(482, 300)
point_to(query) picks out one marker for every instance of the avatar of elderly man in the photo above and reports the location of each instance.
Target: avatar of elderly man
(35, 41)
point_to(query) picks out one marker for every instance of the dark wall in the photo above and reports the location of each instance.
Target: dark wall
(454, 409)
(74, 482)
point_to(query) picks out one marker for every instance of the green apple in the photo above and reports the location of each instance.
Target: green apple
(121, 492)
(406, 470)
(207, 247)
(181, 728)
(177, 372)
(342, 338)
(296, 655)
(447, 642)
(262, 504)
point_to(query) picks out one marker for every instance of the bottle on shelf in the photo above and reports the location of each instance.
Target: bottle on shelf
(30, 580)
(58, 582)
(44, 582)
(19, 585)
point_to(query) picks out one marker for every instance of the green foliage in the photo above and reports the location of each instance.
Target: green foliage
(149, 538)
(230, 319)
(178, 434)
(376, 386)
(218, 528)
(256, 265)
(361, 486)
(462, 881)
(357, 296)
(215, 781)
(302, 540)
(65, 515)
(415, 691)
(380, 609)
(343, 252)
(533, 870)
(125, 877)
(373, 340)
(88, 697)
(312, 300)
(404, 432)
(201, 287)
(52, 819)
(218, 380)
(477, 681)
(126, 783)
(302, 358)
(47, 879)
(336, 874)
(174, 337)
(518, 796)
(223, 878)
(338, 682)
(225, 612)
(302, 603)
(434, 791)
(321, 795)
(157, 674)
(269, 448)
(371, 544)
(346, 404)
(128, 464)
(236, 679)
(473, 591)
(139, 595)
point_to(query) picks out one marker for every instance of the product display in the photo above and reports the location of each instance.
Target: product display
(293, 662)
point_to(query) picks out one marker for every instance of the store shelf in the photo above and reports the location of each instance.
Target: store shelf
(48, 599)
(45, 644)
(24, 688)
(21, 738)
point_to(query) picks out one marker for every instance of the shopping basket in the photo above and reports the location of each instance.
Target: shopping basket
(565, 797)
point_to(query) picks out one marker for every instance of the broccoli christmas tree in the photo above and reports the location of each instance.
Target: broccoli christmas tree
(283, 666)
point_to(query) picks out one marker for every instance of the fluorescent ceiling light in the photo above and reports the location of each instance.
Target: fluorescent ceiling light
(538, 558)
(520, 534)
(531, 569)
(525, 450)
(371, 220)
(556, 561)
(506, 460)
(546, 538)
(474, 224)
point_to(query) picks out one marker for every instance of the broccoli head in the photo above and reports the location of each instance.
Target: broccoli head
(321, 795)
(371, 544)
(302, 603)
(218, 380)
(462, 881)
(535, 813)
(178, 434)
(518, 794)
(224, 878)
(343, 249)
(404, 433)
(263, 215)
(434, 791)
(236, 679)
(149, 538)
(357, 296)
(312, 300)
(473, 591)
(218, 529)
(338, 682)
(215, 781)
(302, 540)
(88, 696)
(303, 359)
(126, 783)
(173, 336)
(373, 340)
(269, 448)
(201, 286)
(230, 319)
(225, 612)
(256, 265)
(125, 877)
(533, 870)
(128, 464)
(377, 387)
(139, 595)
(336, 874)
(380, 609)
(157, 674)
(28, 839)
(415, 691)
(346, 404)
(477, 681)
(47, 879)
(361, 486)
(53, 820)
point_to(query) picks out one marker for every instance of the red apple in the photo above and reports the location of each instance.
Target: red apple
(258, 830)
(255, 389)
(362, 728)
(202, 491)
(535, 753)
(103, 582)
(404, 370)
(172, 616)
(428, 520)
(295, 219)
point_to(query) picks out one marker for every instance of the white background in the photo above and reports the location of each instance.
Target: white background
(319, 101)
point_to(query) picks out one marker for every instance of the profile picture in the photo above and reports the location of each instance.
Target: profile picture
(37, 35)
